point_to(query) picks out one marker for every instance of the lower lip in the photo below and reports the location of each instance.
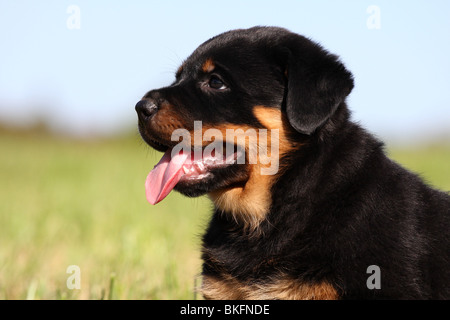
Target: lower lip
(199, 177)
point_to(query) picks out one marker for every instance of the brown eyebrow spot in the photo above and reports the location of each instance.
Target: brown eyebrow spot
(208, 65)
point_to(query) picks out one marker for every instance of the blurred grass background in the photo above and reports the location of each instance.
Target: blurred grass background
(82, 202)
(67, 202)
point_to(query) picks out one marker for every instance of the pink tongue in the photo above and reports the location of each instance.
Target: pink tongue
(164, 176)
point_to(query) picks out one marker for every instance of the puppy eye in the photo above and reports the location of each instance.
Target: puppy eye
(216, 83)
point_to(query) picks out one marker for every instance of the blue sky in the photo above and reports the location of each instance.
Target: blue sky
(88, 80)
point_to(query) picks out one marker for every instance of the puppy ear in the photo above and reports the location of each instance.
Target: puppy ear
(317, 83)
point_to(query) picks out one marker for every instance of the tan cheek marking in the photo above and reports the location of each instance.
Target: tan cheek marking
(167, 121)
(273, 118)
(251, 202)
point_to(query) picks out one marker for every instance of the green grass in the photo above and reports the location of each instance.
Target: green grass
(66, 202)
(83, 203)
(431, 162)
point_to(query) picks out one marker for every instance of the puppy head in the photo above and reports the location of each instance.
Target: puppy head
(262, 78)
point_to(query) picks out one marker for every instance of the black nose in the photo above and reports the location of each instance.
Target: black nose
(146, 108)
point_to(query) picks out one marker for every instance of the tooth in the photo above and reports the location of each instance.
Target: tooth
(186, 170)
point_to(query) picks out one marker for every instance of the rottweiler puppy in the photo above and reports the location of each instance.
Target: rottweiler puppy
(307, 205)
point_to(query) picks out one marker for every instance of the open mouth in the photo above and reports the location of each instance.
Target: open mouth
(186, 166)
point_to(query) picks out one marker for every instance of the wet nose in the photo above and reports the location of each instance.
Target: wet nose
(146, 108)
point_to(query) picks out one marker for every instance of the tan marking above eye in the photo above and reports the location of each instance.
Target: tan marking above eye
(208, 65)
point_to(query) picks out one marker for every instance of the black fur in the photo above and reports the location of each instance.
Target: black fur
(340, 205)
